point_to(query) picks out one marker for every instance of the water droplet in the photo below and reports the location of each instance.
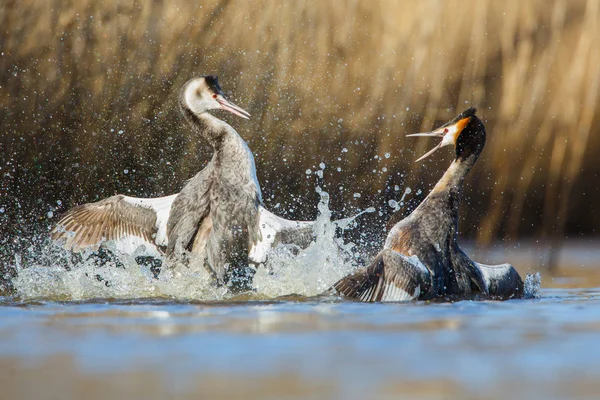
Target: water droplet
(308, 172)
(50, 214)
(387, 155)
(356, 195)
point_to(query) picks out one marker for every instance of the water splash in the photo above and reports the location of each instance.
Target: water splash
(532, 285)
(397, 205)
(45, 270)
(310, 271)
(53, 274)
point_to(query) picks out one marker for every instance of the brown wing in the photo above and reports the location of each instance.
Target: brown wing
(88, 225)
(390, 277)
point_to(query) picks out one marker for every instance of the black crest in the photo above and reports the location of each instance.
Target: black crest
(472, 138)
(212, 81)
(469, 112)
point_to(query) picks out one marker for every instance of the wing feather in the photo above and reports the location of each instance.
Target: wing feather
(88, 226)
(390, 277)
(503, 281)
(496, 281)
(189, 209)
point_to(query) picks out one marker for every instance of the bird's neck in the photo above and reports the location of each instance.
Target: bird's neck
(452, 180)
(215, 131)
(444, 200)
(232, 155)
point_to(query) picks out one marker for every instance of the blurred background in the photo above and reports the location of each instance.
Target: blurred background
(88, 94)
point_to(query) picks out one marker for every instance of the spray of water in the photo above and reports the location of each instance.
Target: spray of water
(53, 274)
(50, 272)
(310, 271)
(532, 285)
(47, 271)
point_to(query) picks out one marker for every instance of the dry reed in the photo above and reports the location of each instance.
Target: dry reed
(88, 91)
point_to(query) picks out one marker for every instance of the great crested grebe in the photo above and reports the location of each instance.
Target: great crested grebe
(421, 258)
(217, 216)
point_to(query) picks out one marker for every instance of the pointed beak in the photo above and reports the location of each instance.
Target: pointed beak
(448, 133)
(232, 108)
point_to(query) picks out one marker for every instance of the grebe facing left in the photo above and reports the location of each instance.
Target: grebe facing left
(421, 258)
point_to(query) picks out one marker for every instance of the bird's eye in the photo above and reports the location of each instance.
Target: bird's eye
(446, 130)
(214, 96)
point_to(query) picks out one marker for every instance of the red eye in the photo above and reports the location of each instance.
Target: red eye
(446, 130)
(214, 96)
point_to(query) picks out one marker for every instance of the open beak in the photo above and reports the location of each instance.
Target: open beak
(232, 108)
(448, 133)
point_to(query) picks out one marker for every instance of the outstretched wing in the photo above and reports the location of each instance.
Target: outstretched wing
(128, 222)
(390, 277)
(503, 281)
(275, 230)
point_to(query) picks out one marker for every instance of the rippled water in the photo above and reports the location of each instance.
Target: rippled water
(302, 348)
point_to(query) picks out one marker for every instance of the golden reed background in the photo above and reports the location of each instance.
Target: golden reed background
(88, 90)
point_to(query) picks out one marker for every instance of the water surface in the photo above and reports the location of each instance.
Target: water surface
(302, 348)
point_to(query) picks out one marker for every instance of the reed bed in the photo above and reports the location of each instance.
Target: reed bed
(88, 97)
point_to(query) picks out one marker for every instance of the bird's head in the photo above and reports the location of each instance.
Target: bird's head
(203, 93)
(465, 132)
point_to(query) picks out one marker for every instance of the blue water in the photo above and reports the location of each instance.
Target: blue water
(319, 348)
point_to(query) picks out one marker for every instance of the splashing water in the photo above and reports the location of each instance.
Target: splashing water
(53, 275)
(50, 272)
(532, 285)
(47, 271)
(310, 271)
(397, 205)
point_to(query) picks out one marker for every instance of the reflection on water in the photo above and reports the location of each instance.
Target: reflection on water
(545, 348)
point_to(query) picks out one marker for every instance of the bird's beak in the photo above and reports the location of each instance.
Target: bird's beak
(448, 133)
(232, 108)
